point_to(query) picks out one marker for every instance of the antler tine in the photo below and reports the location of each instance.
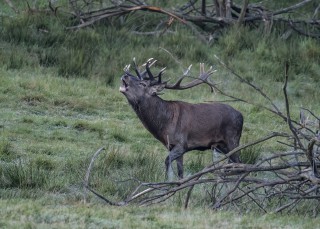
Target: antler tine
(203, 78)
(126, 68)
(201, 68)
(160, 73)
(136, 68)
(151, 62)
(148, 70)
(176, 85)
(148, 64)
(188, 70)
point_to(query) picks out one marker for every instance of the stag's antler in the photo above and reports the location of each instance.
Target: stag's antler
(141, 76)
(147, 75)
(202, 78)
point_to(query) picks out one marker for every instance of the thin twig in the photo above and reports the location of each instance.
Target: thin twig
(250, 84)
(188, 195)
(291, 127)
(87, 176)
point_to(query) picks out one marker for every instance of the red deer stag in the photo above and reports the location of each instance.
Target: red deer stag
(181, 126)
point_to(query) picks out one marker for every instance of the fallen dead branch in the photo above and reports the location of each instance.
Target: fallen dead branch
(205, 20)
(283, 181)
(202, 17)
(92, 17)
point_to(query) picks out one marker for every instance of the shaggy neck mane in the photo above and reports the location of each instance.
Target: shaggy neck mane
(155, 114)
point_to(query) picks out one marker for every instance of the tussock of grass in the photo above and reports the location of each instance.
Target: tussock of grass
(197, 162)
(24, 174)
(119, 136)
(88, 126)
(6, 150)
(251, 155)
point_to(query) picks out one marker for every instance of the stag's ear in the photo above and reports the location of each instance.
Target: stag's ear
(155, 89)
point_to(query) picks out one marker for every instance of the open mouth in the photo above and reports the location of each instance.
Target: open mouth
(124, 86)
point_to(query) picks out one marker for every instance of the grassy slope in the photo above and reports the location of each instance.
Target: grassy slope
(50, 125)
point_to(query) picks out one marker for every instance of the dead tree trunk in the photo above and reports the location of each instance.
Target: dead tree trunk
(223, 8)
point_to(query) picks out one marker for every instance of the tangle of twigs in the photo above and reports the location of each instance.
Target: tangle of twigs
(282, 181)
(199, 16)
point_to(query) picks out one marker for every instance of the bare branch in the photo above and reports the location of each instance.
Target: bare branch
(251, 85)
(243, 12)
(293, 130)
(87, 176)
(126, 10)
(293, 7)
(311, 157)
(223, 14)
(308, 34)
(188, 195)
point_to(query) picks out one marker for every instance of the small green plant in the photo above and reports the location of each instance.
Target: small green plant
(43, 163)
(196, 164)
(118, 136)
(6, 150)
(113, 159)
(82, 125)
(236, 40)
(23, 174)
(251, 154)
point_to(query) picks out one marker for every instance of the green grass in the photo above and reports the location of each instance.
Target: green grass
(50, 128)
(59, 103)
(21, 213)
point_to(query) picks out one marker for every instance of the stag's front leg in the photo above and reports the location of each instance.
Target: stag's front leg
(175, 154)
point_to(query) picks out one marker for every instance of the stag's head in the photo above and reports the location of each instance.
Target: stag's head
(145, 85)
(142, 85)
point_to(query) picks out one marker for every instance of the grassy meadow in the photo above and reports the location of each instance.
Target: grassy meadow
(59, 103)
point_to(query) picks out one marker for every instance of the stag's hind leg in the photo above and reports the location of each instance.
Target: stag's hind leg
(235, 158)
(234, 138)
(233, 143)
(226, 148)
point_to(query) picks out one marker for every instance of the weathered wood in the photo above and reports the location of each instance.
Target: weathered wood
(223, 13)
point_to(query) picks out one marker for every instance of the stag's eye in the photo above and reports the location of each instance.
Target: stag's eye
(143, 84)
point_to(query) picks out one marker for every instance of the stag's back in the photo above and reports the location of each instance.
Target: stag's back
(206, 124)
